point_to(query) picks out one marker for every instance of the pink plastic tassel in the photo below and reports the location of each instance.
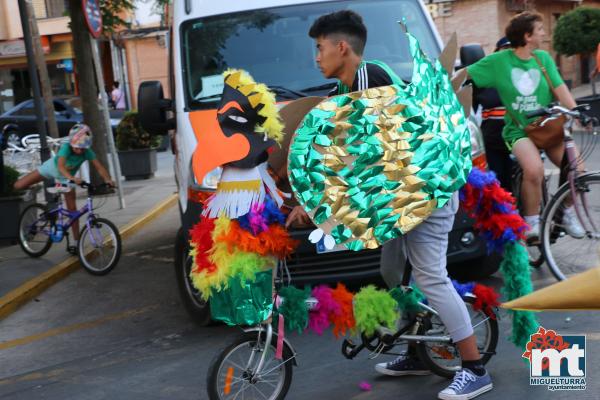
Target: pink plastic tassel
(280, 337)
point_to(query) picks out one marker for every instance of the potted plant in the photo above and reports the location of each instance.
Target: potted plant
(137, 148)
(12, 203)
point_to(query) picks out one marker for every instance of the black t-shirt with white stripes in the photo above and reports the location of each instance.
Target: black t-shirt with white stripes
(367, 76)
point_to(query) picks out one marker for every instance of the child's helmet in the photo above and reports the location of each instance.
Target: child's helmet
(80, 136)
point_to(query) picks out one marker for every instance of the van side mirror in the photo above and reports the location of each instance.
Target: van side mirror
(470, 54)
(153, 107)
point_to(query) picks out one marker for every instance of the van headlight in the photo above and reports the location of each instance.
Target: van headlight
(477, 146)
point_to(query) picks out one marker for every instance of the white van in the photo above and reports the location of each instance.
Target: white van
(269, 39)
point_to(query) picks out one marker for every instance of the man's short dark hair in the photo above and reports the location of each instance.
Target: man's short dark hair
(116, 84)
(519, 25)
(347, 24)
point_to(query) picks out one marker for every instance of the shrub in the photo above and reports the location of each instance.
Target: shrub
(577, 32)
(131, 135)
(10, 177)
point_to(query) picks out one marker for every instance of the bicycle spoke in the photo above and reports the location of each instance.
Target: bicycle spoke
(259, 391)
(236, 365)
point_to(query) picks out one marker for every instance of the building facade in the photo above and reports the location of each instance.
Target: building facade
(142, 50)
(484, 21)
(56, 41)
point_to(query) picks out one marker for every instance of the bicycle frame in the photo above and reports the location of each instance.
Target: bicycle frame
(384, 336)
(573, 174)
(61, 213)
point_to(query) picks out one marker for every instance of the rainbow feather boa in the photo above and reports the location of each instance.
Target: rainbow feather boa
(367, 309)
(223, 249)
(498, 221)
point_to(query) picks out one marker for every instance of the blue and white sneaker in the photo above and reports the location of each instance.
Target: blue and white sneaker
(403, 365)
(466, 385)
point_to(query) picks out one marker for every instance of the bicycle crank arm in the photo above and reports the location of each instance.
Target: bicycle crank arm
(350, 350)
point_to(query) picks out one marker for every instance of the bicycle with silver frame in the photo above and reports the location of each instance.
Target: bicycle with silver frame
(250, 367)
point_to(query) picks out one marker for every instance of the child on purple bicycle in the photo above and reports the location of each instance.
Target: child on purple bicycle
(63, 167)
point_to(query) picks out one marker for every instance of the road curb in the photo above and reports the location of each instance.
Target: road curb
(14, 299)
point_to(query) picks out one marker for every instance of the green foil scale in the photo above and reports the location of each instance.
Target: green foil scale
(369, 166)
(244, 302)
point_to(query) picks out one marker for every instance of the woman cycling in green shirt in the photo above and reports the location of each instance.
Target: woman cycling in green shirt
(517, 76)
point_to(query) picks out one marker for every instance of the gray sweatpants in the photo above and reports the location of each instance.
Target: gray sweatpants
(426, 247)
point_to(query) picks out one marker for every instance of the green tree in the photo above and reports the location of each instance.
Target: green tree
(577, 32)
(88, 87)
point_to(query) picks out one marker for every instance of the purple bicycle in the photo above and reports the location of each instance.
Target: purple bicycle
(98, 247)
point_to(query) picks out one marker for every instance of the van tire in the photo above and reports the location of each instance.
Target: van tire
(475, 269)
(198, 309)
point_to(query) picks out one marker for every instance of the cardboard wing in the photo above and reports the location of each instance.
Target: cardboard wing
(447, 58)
(448, 55)
(291, 114)
(581, 292)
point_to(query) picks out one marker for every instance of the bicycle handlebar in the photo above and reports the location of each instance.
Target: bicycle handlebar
(559, 110)
(87, 185)
(541, 112)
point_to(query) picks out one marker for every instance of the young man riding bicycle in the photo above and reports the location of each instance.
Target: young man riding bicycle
(340, 39)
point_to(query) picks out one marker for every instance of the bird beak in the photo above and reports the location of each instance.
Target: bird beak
(214, 149)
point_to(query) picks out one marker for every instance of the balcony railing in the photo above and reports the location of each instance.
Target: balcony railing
(50, 8)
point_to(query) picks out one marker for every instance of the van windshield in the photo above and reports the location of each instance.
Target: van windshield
(274, 47)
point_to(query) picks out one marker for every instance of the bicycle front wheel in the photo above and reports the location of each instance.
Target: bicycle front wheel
(232, 374)
(99, 246)
(34, 230)
(443, 358)
(567, 255)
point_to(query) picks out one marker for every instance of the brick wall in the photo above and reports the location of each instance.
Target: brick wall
(146, 61)
(483, 22)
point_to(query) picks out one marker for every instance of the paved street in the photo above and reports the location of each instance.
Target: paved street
(126, 336)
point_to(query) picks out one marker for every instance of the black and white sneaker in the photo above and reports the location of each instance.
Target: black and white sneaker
(403, 365)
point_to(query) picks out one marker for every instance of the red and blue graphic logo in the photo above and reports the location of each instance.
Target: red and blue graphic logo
(556, 361)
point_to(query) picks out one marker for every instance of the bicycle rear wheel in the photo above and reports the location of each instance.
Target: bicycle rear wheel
(34, 228)
(564, 254)
(231, 374)
(442, 358)
(99, 246)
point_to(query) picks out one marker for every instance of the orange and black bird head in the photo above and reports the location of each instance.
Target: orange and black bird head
(247, 124)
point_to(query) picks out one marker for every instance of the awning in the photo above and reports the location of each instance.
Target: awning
(59, 51)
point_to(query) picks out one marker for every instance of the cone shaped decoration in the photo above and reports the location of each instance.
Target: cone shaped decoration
(577, 293)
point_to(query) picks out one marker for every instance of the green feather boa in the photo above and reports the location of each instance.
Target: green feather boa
(293, 308)
(517, 283)
(374, 307)
(408, 301)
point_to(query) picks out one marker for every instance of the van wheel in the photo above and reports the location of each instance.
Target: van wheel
(198, 308)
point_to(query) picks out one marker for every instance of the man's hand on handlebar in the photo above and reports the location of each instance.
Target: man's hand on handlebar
(297, 216)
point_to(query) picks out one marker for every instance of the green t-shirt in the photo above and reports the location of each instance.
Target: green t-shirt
(520, 83)
(72, 160)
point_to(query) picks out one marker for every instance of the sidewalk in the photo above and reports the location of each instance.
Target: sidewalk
(584, 90)
(144, 199)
